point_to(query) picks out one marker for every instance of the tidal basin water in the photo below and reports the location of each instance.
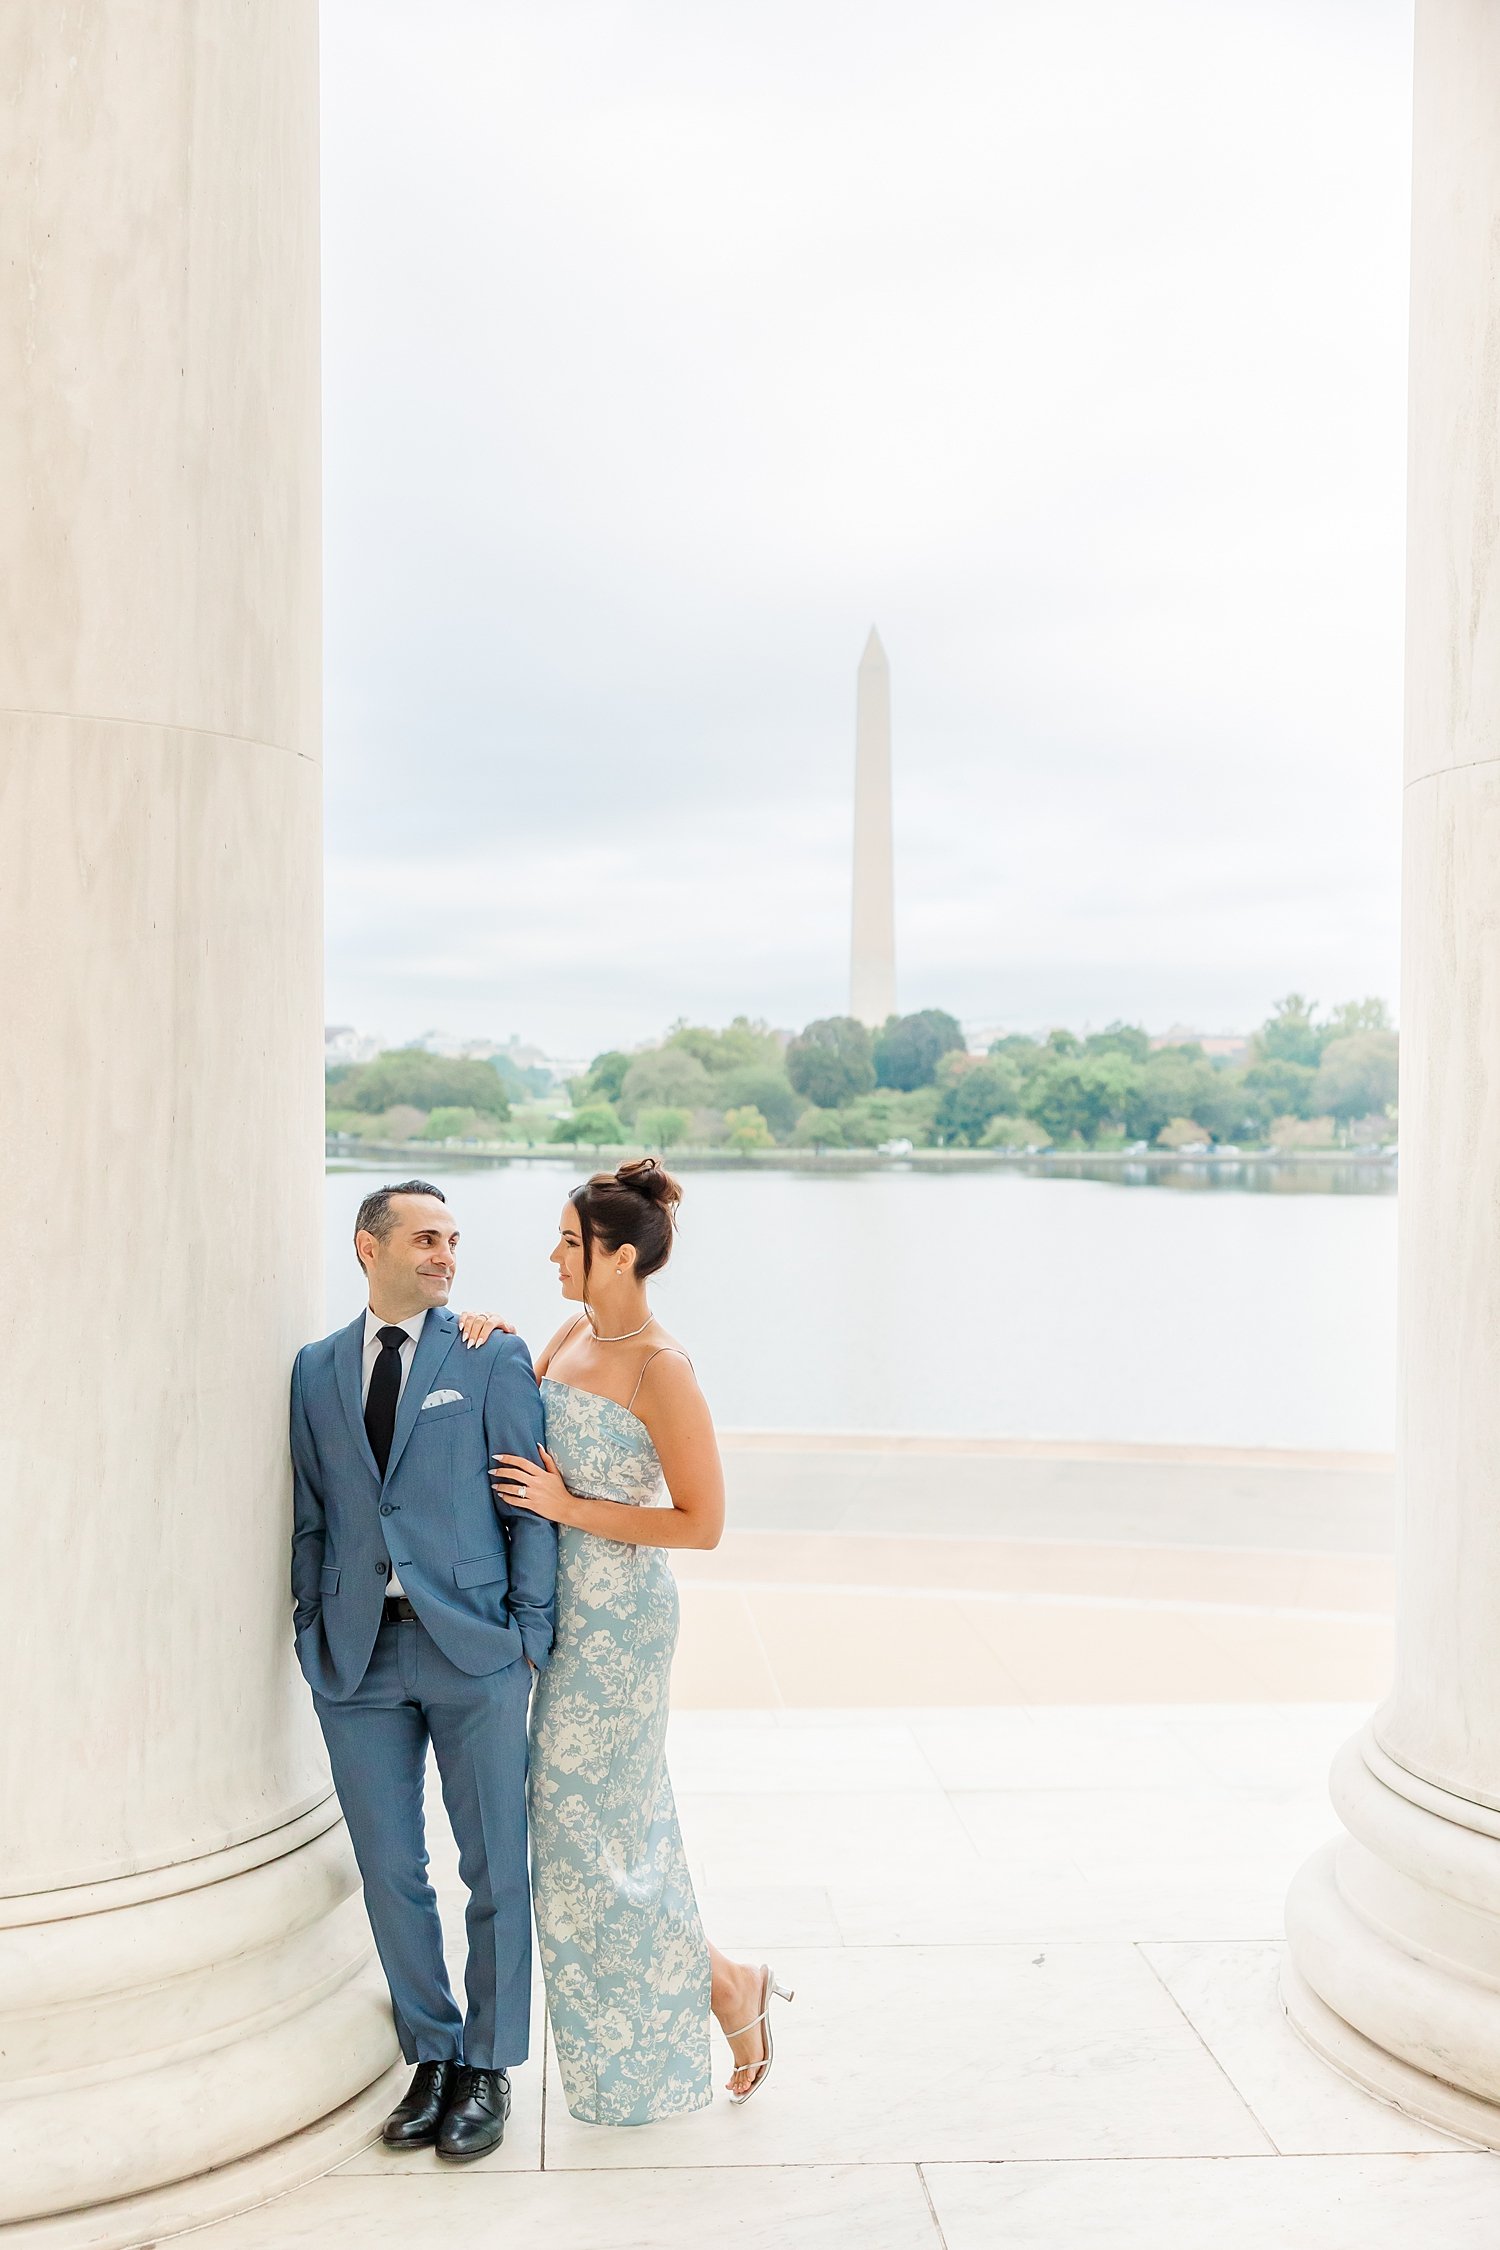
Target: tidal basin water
(982, 1303)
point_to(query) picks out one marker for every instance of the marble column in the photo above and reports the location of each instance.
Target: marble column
(186, 1986)
(1395, 1929)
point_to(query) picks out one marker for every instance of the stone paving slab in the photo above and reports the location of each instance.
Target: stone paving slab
(811, 2207)
(1229, 1995)
(1255, 2203)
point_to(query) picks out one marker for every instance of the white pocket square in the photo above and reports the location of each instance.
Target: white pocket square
(440, 1398)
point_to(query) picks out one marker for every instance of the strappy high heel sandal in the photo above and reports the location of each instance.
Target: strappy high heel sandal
(769, 1989)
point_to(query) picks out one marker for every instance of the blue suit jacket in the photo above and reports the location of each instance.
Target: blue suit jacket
(481, 1575)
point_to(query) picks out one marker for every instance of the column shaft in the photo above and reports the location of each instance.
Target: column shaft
(1395, 1930)
(184, 1962)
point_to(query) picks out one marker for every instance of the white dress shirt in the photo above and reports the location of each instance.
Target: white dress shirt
(373, 1347)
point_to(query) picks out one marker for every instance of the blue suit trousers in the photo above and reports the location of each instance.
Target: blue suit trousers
(377, 1746)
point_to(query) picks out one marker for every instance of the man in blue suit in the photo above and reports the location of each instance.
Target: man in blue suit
(423, 1608)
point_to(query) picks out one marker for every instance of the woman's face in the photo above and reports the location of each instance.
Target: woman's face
(568, 1256)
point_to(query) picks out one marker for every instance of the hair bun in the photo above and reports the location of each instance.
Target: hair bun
(650, 1179)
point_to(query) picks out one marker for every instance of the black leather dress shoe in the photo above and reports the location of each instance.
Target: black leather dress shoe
(414, 2122)
(477, 2110)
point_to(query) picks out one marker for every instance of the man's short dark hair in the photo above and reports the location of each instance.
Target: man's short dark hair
(375, 1214)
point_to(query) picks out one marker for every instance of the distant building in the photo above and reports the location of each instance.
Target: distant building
(521, 1052)
(343, 1044)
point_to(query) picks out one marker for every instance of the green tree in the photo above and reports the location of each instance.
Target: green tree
(1226, 1105)
(456, 1125)
(888, 1116)
(1357, 1076)
(664, 1078)
(1012, 1133)
(521, 1082)
(662, 1128)
(410, 1077)
(1289, 1033)
(595, 1127)
(832, 1062)
(908, 1049)
(991, 1087)
(745, 1129)
(1126, 1039)
(606, 1075)
(757, 1086)
(741, 1045)
(1352, 1016)
(1280, 1089)
(1181, 1083)
(1028, 1059)
(819, 1128)
(1077, 1098)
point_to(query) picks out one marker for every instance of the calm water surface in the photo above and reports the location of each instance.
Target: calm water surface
(988, 1303)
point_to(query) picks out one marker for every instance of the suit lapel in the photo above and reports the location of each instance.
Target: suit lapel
(348, 1366)
(439, 1332)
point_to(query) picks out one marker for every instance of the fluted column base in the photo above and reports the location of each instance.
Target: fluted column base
(137, 2221)
(1394, 1937)
(220, 2023)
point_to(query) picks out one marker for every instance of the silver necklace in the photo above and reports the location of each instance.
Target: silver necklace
(625, 1339)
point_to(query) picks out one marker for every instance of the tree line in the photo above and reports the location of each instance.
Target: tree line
(836, 1084)
(407, 1094)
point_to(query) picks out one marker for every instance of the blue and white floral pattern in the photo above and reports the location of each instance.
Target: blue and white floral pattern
(623, 1950)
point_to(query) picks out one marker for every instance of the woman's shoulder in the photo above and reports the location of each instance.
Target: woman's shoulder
(666, 1369)
(555, 1343)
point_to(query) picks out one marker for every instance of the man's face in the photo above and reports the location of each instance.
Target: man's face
(413, 1268)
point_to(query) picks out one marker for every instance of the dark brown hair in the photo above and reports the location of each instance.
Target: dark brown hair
(638, 1205)
(376, 1216)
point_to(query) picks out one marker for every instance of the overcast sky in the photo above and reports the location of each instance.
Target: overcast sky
(668, 346)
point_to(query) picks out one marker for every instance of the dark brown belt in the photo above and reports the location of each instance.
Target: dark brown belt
(397, 1610)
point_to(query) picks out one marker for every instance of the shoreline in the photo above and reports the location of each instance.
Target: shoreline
(1063, 1162)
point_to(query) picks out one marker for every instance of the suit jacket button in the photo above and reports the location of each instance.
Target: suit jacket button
(383, 1568)
(385, 1507)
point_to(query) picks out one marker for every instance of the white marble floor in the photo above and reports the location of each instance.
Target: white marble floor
(1035, 1953)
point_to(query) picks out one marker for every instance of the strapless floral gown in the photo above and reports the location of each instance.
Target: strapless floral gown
(622, 1946)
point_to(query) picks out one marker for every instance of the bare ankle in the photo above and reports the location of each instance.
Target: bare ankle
(733, 1986)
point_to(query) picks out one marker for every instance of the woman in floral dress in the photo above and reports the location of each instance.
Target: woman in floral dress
(630, 1468)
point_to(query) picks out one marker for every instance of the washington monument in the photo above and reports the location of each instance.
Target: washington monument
(872, 957)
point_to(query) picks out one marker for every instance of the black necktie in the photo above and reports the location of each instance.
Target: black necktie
(381, 1397)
